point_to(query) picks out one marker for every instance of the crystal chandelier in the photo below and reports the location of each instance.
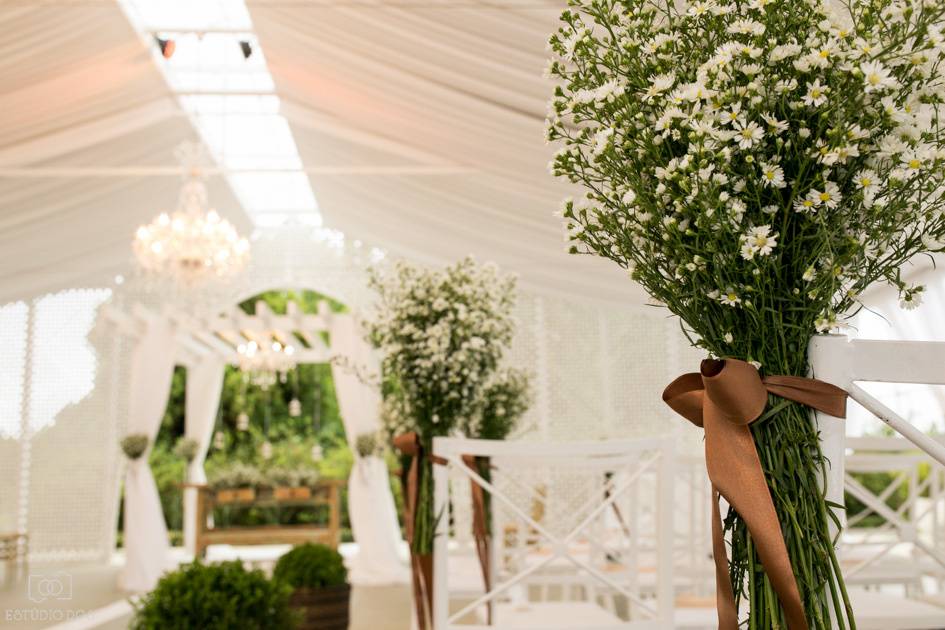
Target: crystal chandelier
(192, 243)
(264, 365)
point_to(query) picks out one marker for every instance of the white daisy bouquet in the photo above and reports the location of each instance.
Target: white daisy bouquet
(442, 335)
(755, 165)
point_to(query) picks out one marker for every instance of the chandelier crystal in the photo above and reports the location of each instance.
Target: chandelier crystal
(193, 243)
(264, 365)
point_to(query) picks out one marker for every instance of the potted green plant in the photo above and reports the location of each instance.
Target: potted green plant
(292, 483)
(321, 593)
(215, 597)
(236, 483)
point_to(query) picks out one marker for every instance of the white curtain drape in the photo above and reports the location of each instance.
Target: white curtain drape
(146, 546)
(370, 503)
(204, 387)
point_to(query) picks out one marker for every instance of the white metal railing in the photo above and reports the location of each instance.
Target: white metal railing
(568, 516)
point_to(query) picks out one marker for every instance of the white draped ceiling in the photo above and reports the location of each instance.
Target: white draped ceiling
(452, 97)
(80, 90)
(432, 86)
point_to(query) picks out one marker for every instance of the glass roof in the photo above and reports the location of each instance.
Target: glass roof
(232, 101)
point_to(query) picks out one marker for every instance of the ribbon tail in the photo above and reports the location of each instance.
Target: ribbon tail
(735, 470)
(480, 526)
(724, 592)
(421, 566)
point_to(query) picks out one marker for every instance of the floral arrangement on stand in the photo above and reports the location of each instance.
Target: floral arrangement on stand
(755, 165)
(442, 336)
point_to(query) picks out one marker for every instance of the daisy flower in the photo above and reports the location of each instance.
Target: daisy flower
(830, 196)
(660, 84)
(807, 204)
(758, 241)
(816, 94)
(730, 298)
(876, 77)
(826, 322)
(748, 134)
(867, 181)
(775, 126)
(733, 115)
(772, 175)
(911, 298)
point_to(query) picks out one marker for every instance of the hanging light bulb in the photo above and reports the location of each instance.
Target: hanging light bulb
(219, 440)
(265, 451)
(295, 408)
(242, 421)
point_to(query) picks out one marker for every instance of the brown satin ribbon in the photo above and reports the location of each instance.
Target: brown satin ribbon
(421, 565)
(724, 398)
(480, 527)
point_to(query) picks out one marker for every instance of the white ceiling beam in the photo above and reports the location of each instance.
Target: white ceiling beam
(69, 172)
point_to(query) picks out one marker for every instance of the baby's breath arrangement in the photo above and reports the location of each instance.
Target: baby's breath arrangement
(755, 165)
(506, 397)
(442, 336)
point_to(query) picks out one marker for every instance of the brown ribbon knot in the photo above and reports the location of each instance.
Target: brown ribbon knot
(724, 399)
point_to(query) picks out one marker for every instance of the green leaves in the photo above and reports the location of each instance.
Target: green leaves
(311, 566)
(215, 597)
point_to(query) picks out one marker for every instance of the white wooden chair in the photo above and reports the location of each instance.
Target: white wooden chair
(847, 363)
(913, 528)
(567, 520)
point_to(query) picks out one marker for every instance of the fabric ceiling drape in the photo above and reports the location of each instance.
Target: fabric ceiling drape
(370, 502)
(146, 544)
(204, 388)
(455, 87)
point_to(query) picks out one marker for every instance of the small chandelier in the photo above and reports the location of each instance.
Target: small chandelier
(192, 243)
(266, 364)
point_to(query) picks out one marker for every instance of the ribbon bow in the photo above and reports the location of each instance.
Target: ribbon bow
(724, 398)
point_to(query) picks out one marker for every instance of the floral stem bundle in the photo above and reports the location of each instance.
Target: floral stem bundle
(756, 165)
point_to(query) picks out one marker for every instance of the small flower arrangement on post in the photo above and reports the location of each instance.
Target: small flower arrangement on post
(442, 335)
(134, 445)
(756, 165)
(187, 448)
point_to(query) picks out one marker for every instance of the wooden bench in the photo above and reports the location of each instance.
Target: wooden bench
(325, 493)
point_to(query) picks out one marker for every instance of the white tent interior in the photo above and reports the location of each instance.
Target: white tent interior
(357, 132)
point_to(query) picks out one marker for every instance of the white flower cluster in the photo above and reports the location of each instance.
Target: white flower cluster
(775, 156)
(442, 334)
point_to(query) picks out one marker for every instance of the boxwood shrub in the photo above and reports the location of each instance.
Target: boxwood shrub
(311, 566)
(222, 596)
